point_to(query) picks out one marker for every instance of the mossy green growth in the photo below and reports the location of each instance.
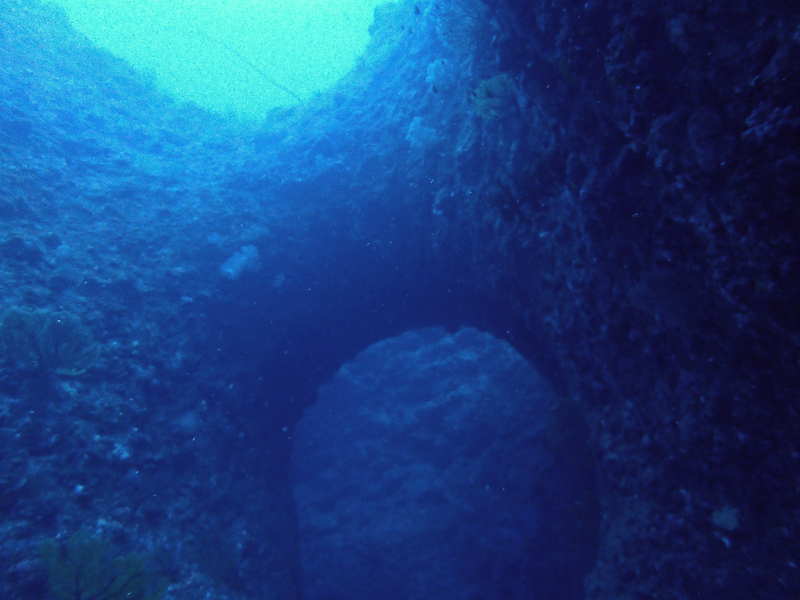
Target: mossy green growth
(46, 340)
(88, 568)
(494, 96)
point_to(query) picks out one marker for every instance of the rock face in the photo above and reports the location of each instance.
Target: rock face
(415, 472)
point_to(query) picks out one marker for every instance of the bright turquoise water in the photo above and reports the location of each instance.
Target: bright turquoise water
(232, 56)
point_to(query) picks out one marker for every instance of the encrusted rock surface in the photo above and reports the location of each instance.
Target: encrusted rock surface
(427, 469)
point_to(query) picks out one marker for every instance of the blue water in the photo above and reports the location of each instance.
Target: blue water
(240, 58)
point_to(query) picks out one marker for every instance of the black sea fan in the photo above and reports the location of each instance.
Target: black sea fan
(89, 569)
(48, 341)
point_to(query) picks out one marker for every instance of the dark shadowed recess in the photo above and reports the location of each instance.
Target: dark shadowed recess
(343, 295)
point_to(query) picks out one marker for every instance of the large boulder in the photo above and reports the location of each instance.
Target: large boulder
(423, 472)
